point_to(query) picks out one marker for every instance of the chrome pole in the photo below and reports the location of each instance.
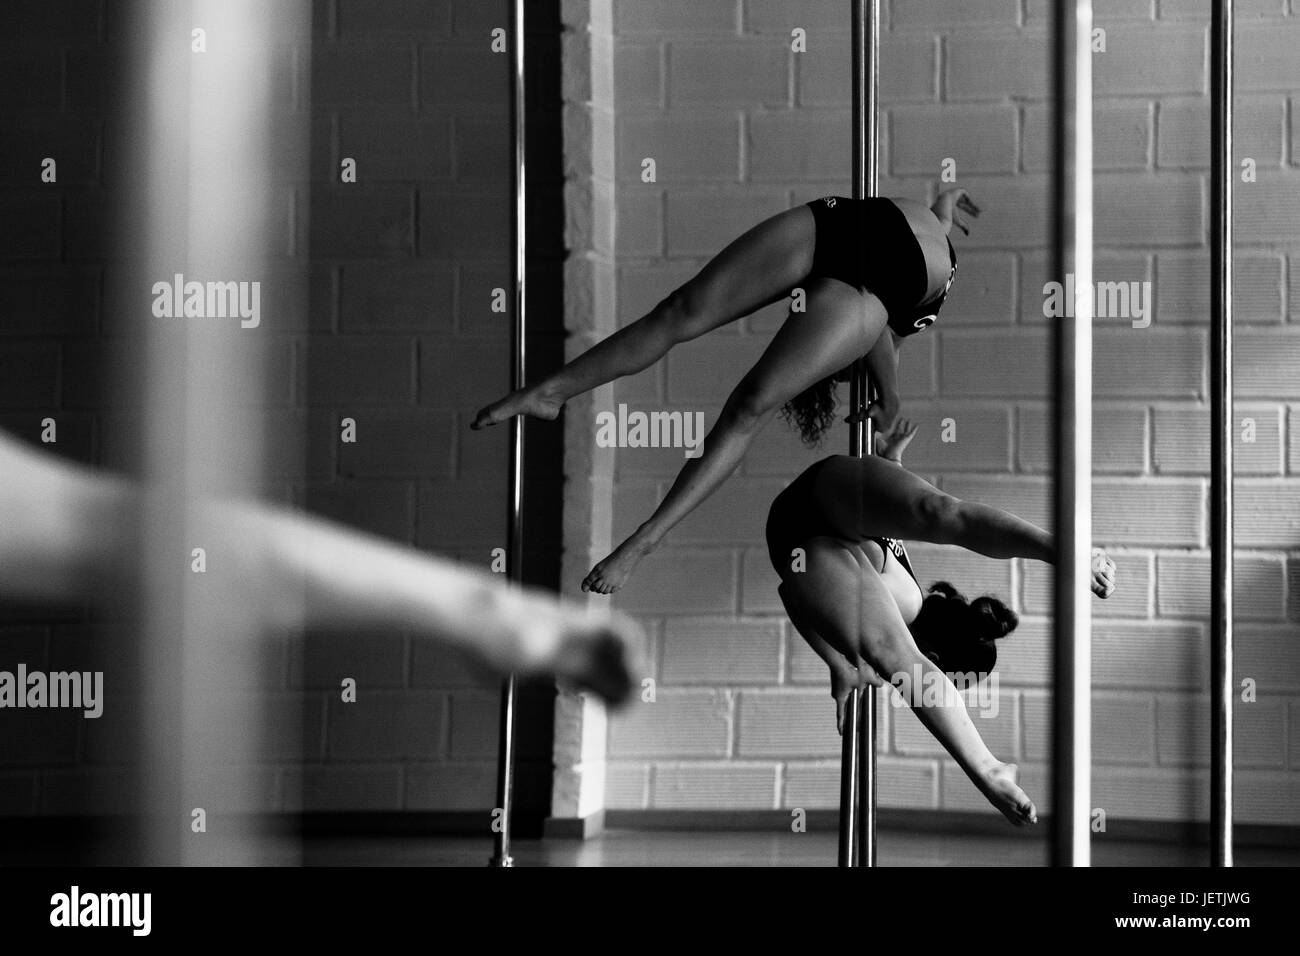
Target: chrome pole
(849, 782)
(858, 775)
(1221, 464)
(1072, 241)
(515, 528)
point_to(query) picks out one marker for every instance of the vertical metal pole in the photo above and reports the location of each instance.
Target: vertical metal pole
(200, 386)
(1072, 240)
(1221, 464)
(858, 775)
(848, 852)
(515, 528)
(866, 174)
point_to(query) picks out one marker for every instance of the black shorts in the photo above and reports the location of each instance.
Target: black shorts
(795, 516)
(869, 244)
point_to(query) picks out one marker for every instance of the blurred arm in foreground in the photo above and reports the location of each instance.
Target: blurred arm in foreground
(67, 533)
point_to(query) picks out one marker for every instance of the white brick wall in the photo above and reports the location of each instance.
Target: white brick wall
(741, 128)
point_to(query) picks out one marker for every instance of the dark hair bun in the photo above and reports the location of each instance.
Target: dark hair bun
(944, 589)
(992, 619)
(957, 634)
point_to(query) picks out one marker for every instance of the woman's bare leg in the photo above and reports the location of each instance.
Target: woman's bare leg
(840, 325)
(755, 270)
(842, 598)
(871, 497)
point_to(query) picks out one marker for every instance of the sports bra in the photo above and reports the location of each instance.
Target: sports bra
(895, 547)
(923, 316)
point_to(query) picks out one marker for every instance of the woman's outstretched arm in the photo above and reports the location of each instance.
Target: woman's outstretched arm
(939, 706)
(71, 532)
(888, 647)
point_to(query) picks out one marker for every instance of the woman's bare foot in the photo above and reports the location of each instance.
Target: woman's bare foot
(999, 785)
(949, 202)
(612, 573)
(893, 443)
(1103, 574)
(526, 401)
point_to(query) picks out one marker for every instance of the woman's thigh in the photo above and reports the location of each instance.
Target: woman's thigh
(756, 269)
(841, 325)
(868, 498)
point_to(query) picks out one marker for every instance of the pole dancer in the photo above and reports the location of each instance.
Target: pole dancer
(875, 271)
(834, 535)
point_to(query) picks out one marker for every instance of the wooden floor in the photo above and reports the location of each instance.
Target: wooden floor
(695, 848)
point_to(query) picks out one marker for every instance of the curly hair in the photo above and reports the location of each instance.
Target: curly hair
(812, 411)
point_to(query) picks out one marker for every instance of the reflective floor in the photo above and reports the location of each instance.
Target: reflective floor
(896, 846)
(700, 848)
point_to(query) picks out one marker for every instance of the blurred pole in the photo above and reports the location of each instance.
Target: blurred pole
(1072, 241)
(858, 776)
(515, 528)
(1221, 463)
(202, 99)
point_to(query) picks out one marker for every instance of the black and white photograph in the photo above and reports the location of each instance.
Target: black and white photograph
(648, 434)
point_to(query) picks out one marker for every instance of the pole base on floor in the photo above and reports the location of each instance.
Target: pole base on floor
(501, 861)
